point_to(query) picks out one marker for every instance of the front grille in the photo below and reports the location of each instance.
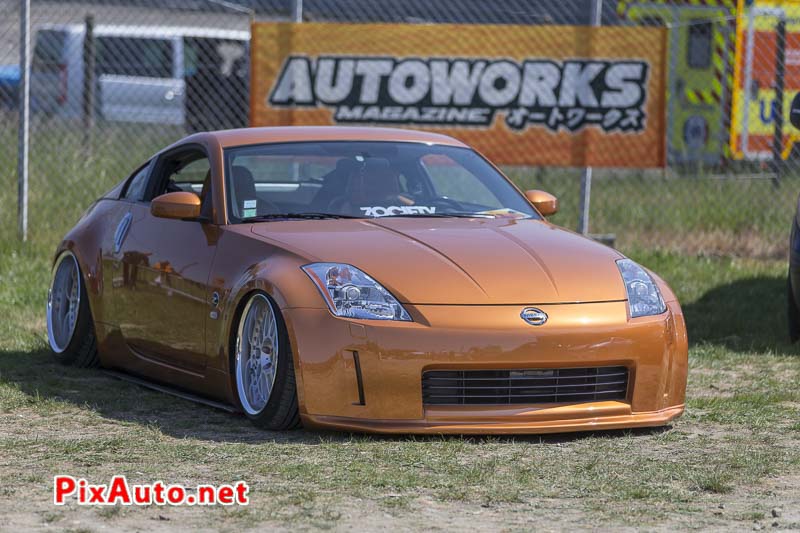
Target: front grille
(534, 386)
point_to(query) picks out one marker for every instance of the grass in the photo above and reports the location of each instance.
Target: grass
(730, 460)
(739, 214)
(736, 441)
(740, 211)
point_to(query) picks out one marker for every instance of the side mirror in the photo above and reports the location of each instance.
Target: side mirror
(176, 205)
(794, 111)
(544, 202)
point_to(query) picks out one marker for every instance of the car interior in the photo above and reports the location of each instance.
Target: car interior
(348, 183)
(186, 171)
(342, 184)
(343, 189)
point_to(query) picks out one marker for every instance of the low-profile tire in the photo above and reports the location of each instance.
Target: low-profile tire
(263, 366)
(70, 327)
(792, 313)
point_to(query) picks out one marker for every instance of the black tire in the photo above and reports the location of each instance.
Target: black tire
(81, 351)
(281, 411)
(793, 314)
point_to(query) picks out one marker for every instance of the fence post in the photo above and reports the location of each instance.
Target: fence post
(777, 110)
(585, 200)
(586, 176)
(297, 17)
(89, 84)
(297, 11)
(24, 117)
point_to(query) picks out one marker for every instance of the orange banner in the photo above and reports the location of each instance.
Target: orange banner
(522, 95)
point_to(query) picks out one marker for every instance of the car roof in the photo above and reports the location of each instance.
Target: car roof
(164, 32)
(250, 136)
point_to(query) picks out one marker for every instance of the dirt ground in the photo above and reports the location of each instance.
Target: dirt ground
(707, 470)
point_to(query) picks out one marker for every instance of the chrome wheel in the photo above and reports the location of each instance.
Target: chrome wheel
(63, 302)
(256, 354)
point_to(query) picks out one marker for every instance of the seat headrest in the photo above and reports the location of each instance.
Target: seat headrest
(346, 165)
(376, 181)
(244, 186)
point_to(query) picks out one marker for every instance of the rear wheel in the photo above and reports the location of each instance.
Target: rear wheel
(263, 366)
(70, 329)
(792, 313)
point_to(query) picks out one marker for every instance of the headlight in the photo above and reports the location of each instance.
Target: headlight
(644, 298)
(351, 293)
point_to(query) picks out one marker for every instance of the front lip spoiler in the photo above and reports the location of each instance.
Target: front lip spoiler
(504, 427)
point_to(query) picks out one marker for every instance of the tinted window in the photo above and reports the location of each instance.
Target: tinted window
(137, 185)
(699, 48)
(366, 179)
(191, 177)
(134, 56)
(49, 48)
(188, 172)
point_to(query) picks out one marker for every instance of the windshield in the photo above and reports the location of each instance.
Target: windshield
(365, 180)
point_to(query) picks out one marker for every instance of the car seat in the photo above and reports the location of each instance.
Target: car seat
(376, 184)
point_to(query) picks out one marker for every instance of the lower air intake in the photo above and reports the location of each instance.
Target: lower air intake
(533, 386)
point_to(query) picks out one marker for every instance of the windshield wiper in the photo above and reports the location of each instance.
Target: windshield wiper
(306, 216)
(440, 215)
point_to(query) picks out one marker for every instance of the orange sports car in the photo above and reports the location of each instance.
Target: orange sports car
(363, 279)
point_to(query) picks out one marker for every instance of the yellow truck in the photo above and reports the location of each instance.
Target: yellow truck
(723, 76)
(700, 58)
(767, 52)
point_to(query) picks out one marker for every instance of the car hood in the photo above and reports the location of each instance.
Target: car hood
(461, 261)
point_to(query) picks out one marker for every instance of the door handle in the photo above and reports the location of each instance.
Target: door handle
(122, 232)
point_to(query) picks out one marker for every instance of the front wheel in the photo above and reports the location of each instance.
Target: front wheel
(70, 329)
(263, 366)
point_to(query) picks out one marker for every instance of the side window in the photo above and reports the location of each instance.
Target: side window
(698, 52)
(137, 185)
(191, 177)
(453, 181)
(134, 56)
(188, 172)
(49, 50)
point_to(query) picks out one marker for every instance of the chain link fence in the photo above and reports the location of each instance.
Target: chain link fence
(147, 73)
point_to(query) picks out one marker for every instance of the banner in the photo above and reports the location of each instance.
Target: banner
(522, 95)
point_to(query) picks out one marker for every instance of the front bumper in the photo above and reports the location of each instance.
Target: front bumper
(367, 375)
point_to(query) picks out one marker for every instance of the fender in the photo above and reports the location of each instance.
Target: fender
(244, 264)
(259, 278)
(85, 242)
(666, 291)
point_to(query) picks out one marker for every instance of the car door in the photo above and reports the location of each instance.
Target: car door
(118, 224)
(216, 71)
(163, 299)
(139, 79)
